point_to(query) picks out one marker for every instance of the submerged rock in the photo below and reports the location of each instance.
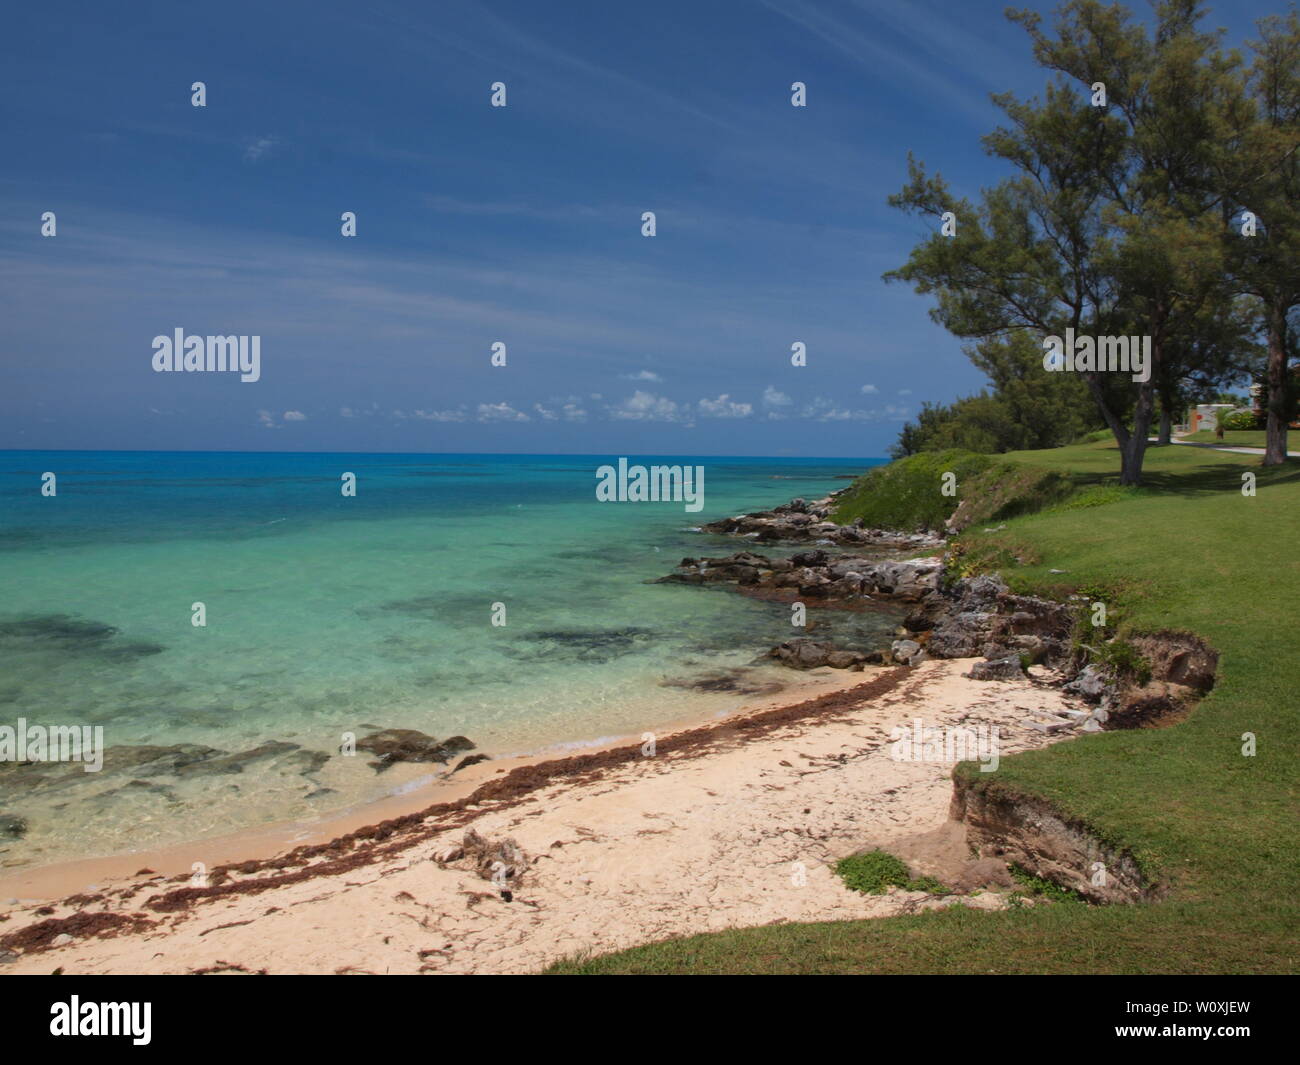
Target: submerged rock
(410, 745)
(72, 635)
(238, 761)
(469, 760)
(738, 681)
(12, 826)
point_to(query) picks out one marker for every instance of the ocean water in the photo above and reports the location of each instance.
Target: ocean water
(327, 614)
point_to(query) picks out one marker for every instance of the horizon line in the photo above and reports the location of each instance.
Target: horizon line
(462, 454)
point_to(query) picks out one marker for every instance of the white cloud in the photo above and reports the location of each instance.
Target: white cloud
(294, 416)
(723, 407)
(500, 412)
(647, 407)
(267, 420)
(904, 391)
(869, 390)
(641, 375)
(774, 398)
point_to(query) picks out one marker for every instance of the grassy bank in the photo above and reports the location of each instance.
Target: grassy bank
(1231, 437)
(1187, 551)
(908, 494)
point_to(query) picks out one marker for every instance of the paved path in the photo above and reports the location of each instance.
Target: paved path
(1224, 447)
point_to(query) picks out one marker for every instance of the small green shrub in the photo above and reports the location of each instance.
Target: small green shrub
(1239, 419)
(1036, 885)
(874, 871)
(1125, 659)
(976, 552)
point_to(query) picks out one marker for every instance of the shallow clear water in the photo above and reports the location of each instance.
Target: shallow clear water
(328, 614)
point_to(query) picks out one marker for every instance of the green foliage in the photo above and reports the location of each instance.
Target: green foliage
(1239, 420)
(907, 494)
(1098, 226)
(977, 552)
(874, 871)
(1037, 887)
(1123, 659)
(1027, 408)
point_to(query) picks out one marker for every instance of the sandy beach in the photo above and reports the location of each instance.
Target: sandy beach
(727, 824)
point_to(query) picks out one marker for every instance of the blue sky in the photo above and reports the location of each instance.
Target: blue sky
(477, 224)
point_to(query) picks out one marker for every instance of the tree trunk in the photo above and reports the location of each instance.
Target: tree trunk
(1275, 434)
(1131, 467)
(1166, 433)
(1118, 429)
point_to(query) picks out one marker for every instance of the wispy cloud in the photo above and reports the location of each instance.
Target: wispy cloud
(258, 148)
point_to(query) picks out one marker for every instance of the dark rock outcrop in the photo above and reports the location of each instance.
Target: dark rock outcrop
(801, 520)
(815, 575)
(805, 653)
(1008, 668)
(410, 745)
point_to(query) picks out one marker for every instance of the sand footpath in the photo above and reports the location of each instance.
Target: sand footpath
(727, 825)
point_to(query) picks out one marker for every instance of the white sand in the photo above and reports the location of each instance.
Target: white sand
(665, 846)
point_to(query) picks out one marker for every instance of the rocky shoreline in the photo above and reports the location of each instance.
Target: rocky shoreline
(951, 617)
(799, 521)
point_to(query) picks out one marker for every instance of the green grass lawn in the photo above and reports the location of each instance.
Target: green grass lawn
(1186, 551)
(1231, 438)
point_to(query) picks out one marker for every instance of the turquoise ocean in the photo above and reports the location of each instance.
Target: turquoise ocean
(327, 614)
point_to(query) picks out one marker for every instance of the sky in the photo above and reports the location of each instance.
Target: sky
(477, 225)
